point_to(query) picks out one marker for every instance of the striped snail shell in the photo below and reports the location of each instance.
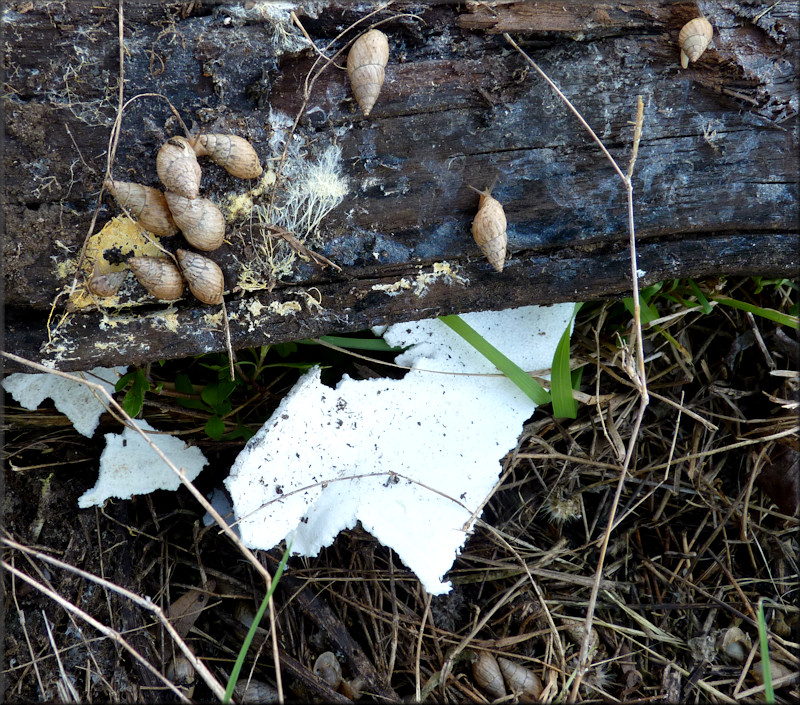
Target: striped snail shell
(487, 674)
(177, 167)
(146, 204)
(365, 65)
(694, 39)
(159, 276)
(521, 681)
(201, 222)
(106, 284)
(489, 229)
(204, 277)
(234, 154)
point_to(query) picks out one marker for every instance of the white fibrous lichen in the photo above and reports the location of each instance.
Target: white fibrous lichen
(312, 190)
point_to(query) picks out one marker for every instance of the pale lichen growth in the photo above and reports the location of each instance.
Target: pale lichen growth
(419, 286)
(285, 308)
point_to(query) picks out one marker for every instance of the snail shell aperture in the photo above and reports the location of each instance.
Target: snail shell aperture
(201, 222)
(177, 167)
(234, 154)
(106, 284)
(159, 276)
(694, 39)
(365, 65)
(146, 204)
(489, 229)
(204, 277)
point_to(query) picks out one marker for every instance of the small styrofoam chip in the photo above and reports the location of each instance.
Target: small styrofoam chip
(411, 459)
(81, 405)
(129, 466)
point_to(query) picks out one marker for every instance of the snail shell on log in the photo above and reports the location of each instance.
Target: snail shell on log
(106, 284)
(487, 674)
(204, 277)
(146, 204)
(489, 229)
(201, 222)
(328, 668)
(159, 276)
(694, 39)
(234, 154)
(365, 65)
(520, 680)
(177, 167)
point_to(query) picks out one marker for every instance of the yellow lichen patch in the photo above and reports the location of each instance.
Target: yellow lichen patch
(393, 289)
(287, 308)
(214, 319)
(120, 235)
(441, 270)
(238, 206)
(255, 308)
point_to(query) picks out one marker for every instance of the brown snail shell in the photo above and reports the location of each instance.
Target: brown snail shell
(106, 284)
(182, 674)
(201, 222)
(234, 154)
(204, 277)
(365, 65)
(146, 204)
(254, 692)
(694, 39)
(520, 680)
(328, 668)
(487, 674)
(177, 167)
(489, 229)
(159, 276)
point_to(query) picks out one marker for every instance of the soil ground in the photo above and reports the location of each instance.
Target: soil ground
(705, 527)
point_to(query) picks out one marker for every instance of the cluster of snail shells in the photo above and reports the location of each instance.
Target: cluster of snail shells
(181, 208)
(694, 38)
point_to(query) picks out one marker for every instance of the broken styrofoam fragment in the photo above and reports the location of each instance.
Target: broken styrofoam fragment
(81, 404)
(129, 466)
(413, 459)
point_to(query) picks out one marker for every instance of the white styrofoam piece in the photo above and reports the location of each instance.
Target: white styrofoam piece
(411, 459)
(129, 466)
(82, 405)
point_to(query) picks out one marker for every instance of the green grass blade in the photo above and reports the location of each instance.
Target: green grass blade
(538, 394)
(769, 692)
(769, 313)
(237, 667)
(700, 296)
(564, 404)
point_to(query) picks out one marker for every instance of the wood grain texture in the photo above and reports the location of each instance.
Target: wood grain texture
(715, 181)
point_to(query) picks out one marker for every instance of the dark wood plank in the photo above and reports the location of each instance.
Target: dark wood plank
(715, 182)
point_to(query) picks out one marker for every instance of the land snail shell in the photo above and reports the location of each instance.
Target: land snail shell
(327, 667)
(234, 154)
(182, 674)
(200, 221)
(177, 167)
(146, 204)
(365, 66)
(204, 277)
(253, 691)
(106, 283)
(520, 680)
(489, 229)
(694, 38)
(159, 276)
(487, 674)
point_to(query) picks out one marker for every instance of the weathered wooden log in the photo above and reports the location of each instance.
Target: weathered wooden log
(714, 183)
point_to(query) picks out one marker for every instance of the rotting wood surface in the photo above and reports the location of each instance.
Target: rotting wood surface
(715, 180)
